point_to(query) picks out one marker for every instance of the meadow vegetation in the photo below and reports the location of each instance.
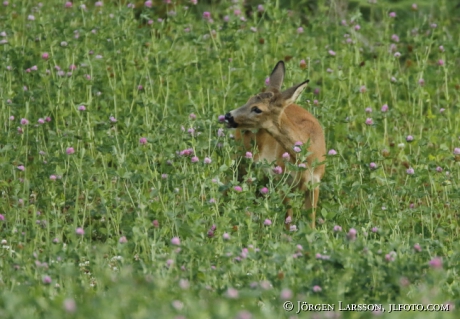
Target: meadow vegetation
(120, 194)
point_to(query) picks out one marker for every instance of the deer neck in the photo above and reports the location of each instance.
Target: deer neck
(285, 133)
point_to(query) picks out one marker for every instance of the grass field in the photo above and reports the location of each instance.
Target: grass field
(119, 189)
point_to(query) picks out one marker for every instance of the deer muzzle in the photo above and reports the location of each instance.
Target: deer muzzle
(230, 120)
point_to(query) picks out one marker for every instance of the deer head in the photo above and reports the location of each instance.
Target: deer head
(264, 109)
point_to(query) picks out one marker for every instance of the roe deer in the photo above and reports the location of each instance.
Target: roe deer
(280, 124)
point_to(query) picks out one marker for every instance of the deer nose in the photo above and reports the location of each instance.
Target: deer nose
(228, 118)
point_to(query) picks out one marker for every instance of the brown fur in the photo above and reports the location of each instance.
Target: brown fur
(280, 124)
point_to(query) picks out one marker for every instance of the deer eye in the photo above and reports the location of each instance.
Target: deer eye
(256, 110)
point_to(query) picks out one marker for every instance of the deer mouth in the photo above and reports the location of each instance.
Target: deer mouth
(232, 125)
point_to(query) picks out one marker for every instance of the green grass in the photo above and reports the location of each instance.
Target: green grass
(114, 187)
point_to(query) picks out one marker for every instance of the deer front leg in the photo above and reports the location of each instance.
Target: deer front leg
(311, 195)
(288, 218)
(311, 200)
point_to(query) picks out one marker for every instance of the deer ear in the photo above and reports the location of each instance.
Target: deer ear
(290, 95)
(277, 76)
